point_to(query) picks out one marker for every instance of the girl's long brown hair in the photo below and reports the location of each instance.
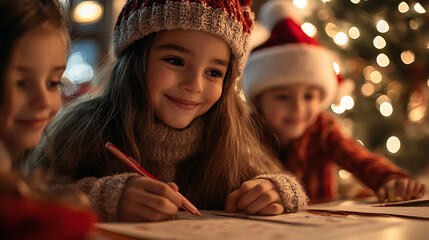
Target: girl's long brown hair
(230, 154)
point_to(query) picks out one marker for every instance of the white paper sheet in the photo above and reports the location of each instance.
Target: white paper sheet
(371, 208)
(212, 226)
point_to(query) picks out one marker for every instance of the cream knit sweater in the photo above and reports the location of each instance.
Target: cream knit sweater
(170, 147)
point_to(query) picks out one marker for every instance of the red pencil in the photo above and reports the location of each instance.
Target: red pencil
(186, 204)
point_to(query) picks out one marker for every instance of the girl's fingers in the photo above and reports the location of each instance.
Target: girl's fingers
(231, 201)
(272, 209)
(381, 194)
(173, 186)
(160, 203)
(409, 190)
(264, 200)
(400, 188)
(162, 189)
(252, 191)
(149, 214)
(419, 190)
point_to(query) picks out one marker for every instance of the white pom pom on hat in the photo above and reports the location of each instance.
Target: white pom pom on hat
(275, 10)
(288, 57)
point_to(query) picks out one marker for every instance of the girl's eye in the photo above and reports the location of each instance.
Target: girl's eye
(309, 96)
(21, 83)
(174, 61)
(215, 74)
(282, 97)
(53, 84)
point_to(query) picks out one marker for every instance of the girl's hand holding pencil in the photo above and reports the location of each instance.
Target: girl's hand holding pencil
(146, 198)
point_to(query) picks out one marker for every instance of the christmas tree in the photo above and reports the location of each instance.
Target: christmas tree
(382, 47)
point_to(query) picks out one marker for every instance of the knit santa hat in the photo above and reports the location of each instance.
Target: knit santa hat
(231, 20)
(288, 57)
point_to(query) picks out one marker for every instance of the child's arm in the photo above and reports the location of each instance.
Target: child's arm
(402, 188)
(108, 193)
(268, 195)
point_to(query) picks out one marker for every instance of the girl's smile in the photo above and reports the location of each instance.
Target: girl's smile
(35, 123)
(183, 103)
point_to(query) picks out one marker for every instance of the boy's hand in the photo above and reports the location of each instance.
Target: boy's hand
(255, 197)
(400, 189)
(145, 199)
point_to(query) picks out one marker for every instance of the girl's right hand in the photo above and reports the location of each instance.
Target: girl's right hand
(145, 199)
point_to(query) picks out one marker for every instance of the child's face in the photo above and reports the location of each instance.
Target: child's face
(31, 96)
(185, 74)
(290, 110)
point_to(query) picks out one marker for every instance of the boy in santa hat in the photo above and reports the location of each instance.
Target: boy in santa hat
(290, 80)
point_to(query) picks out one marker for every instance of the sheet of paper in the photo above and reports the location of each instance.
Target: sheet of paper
(414, 202)
(371, 208)
(301, 218)
(212, 226)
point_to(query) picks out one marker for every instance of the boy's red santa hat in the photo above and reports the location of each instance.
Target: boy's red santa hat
(288, 57)
(231, 20)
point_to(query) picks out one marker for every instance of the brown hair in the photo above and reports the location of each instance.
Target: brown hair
(229, 155)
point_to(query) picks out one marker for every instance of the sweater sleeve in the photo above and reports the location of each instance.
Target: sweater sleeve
(104, 193)
(291, 191)
(370, 168)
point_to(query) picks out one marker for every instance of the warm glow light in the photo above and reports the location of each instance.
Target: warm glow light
(355, 1)
(419, 8)
(383, 60)
(382, 26)
(347, 102)
(376, 77)
(344, 174)
(338, 109)
(309, 29)
(379, 42)
(367, 72)
(331, 29)
(407, 57)
(340, 39)
(359, 141)
(416, 114)
(382, 99)
(367, 89)
(300, 3)
(354, 33)
(417, 110)
(427, 82)
(414, 24)
(336, 67)
(393, 144)
(88, 12)
(386, 109)
(403, 7)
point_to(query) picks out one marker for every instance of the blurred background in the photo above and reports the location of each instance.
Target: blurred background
(381, 46)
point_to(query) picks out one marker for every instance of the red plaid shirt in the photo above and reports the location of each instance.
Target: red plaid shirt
(314, 156)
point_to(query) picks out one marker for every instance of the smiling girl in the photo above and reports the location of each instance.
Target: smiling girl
(33, 51)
